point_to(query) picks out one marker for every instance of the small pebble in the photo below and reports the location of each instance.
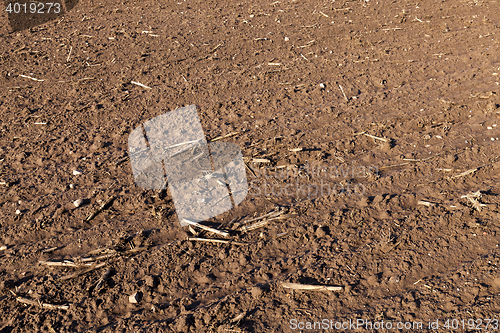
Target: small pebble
(3, 248)
(71, 185)
(287, 39)
(18, 211)
(394, 279)
(78, 202)
(256, 292)
(150, 281)
(77, 172)
(134, 298)
(322, 85)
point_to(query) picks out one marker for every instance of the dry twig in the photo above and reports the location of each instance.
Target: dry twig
(101, 208)
(69, 55)
(272, 214)
(204, 227)
(77, 274)
(373, 136)
(64, 263)
(224, 136)
(92, 267)
(251, 170)
(393, 166)
(465, 173)
(254, 226)
(343, 93)
(473, 199)
(298, 286)
(211, 240)
(51, 249)
(260, 160)
(29, 301)
(31, 78)
(140, 85)
(102, 279)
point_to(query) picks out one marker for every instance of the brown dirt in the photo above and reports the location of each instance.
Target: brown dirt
(424, 75)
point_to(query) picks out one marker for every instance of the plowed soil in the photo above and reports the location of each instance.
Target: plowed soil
(372, 127)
